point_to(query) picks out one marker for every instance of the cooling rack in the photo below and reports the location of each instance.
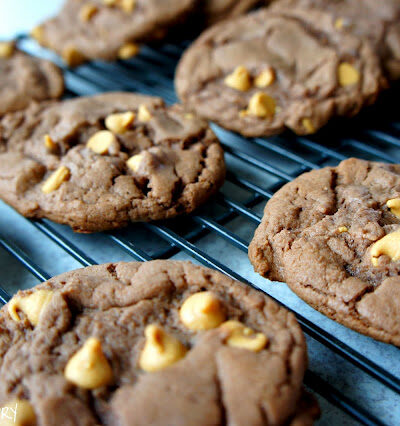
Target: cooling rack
(356, 379)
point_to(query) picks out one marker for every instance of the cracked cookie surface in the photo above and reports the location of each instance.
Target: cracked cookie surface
(101, 33)
(376, 21)
(98, 163)
(323, 234)
(114, 304)
(24, 78)
(269, 70)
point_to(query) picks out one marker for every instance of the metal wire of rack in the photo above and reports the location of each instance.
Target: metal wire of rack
(256, 169)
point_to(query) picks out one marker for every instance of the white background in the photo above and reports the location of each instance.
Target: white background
(18, 16)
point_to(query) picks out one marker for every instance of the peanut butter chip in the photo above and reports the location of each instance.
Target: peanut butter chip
(134, 162)
(261, 105)
(32, 306)
(394, 206)
(240, 79)
(128, 50)
(160, 350)
(88, 368)
(17, 412)
(6, 49)
(240, 336)
(120, 123)
(72, 56)
(144, 114)
(87, 12)
(101, 141)
(110, 2)
(308, 125)
(37, 34)
(347, 74)
(56, 179)
(342, 229)
(49, 143)
(128, 6)
(265, 78)
(388, 245)
(202, 311)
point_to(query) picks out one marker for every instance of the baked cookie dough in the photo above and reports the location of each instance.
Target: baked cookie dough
(24, 78)
(376, 21)
(217, 10)
(98, 163)
(333, 235)
(269, 70)
(139, 343)
(107, 29)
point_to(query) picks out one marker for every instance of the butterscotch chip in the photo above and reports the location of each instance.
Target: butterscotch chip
(394, 206)
(389, 245)
(266, 49)
(202, 311)
(347, 74)
(160, 350)
(134, 162)
(128, 50)
(308, 125)
(128, 6)
(302, 240)
(261, 105)
(56, 179)
(17, 412)
(144, 114)
(32, 306)
(6, 49)
(121, 122)
(49, 143)
(265, 78)
(88, 368)
(87, 12)
(37, 34)
(240, 336)
(72, 57)
(112, 350)
(240, 79)
(101, 141)
(339, 23)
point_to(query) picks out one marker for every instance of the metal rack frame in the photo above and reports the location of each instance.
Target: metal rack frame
(279, 159)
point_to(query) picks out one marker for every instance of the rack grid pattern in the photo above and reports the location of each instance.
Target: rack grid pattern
(277, 160)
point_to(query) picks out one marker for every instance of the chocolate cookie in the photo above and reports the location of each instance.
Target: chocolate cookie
(217, 10)
(98, 163)
(376, 21)
(105, 29)
(24, 78)
(270, 69)
(334, 235)
(139, 343)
